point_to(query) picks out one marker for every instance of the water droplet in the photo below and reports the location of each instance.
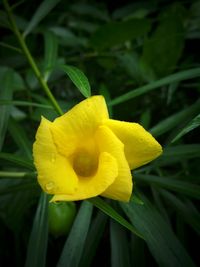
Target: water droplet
(49, 186)
(53, 157)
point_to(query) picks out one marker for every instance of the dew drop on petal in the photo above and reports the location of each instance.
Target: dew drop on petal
(49, 186)
(53, 157)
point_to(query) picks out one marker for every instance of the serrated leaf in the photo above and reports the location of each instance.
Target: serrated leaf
(43, 9)
(78, 78)
(162, 242)
(37, 247)
(75, 242)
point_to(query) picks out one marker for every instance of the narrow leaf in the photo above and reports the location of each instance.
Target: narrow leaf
(6, 92)
(107, 209)
(20, 137)
(185, 209)
(93, 239)
(176, 77)
(183, 187)
(37, 247)
(17, 160)
(75, 242)
(24, 104)
(162, 242)
(44, 8)
(78, 78)
(175, 119)
(119, 246)
(51, 51)
(190, 126)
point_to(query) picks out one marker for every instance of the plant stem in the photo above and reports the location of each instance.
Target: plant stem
(30, 58)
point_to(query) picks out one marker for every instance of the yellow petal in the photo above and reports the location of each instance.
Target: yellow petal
(79, 123)
(92, 186)
(139, 145)
(121, 188)
(55, 174)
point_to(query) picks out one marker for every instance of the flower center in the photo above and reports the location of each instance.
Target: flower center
(84, 163)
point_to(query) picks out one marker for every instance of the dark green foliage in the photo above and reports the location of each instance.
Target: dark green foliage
(144, 58)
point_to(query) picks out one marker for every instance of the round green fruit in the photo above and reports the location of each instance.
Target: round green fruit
(61, 217)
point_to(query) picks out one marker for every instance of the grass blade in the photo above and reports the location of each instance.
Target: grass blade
(20, 137)
(24, 104)
(6, 93)
(189, 189)
(107, 209)
(93, 238)
(176, 77)
(186, 210)
(191, 126)
(162, 242)
(75, 242)
(78, 78)
(44, 8)
(17, 160)
(51, 51)
(175, 119)
(37, 247)
(119, 246)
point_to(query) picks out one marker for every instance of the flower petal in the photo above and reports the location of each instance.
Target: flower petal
(92, 186)
(139, 145)
(77, 126)
(121, 188)
(55, 174)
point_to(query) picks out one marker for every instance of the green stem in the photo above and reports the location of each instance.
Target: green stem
(30, 59)
(5, 174)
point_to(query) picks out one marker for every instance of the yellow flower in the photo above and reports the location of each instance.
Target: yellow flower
(83, 153)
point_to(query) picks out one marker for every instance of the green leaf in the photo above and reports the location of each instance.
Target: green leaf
(75, 242)
(93, 239)
(16, 159)
(24, 104)
(168, 39)
(119, 246)
(107, 209)
(20, 186)
(189, 189)
(37, 246)
(185, 209)
(6, 92)
(175, 119)
(162, 242)
(194, 123)
(20, 137)
(51, 51)
(115, 33)
(42, 11)
(78, 78)
(176, 77)
(174, 154)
